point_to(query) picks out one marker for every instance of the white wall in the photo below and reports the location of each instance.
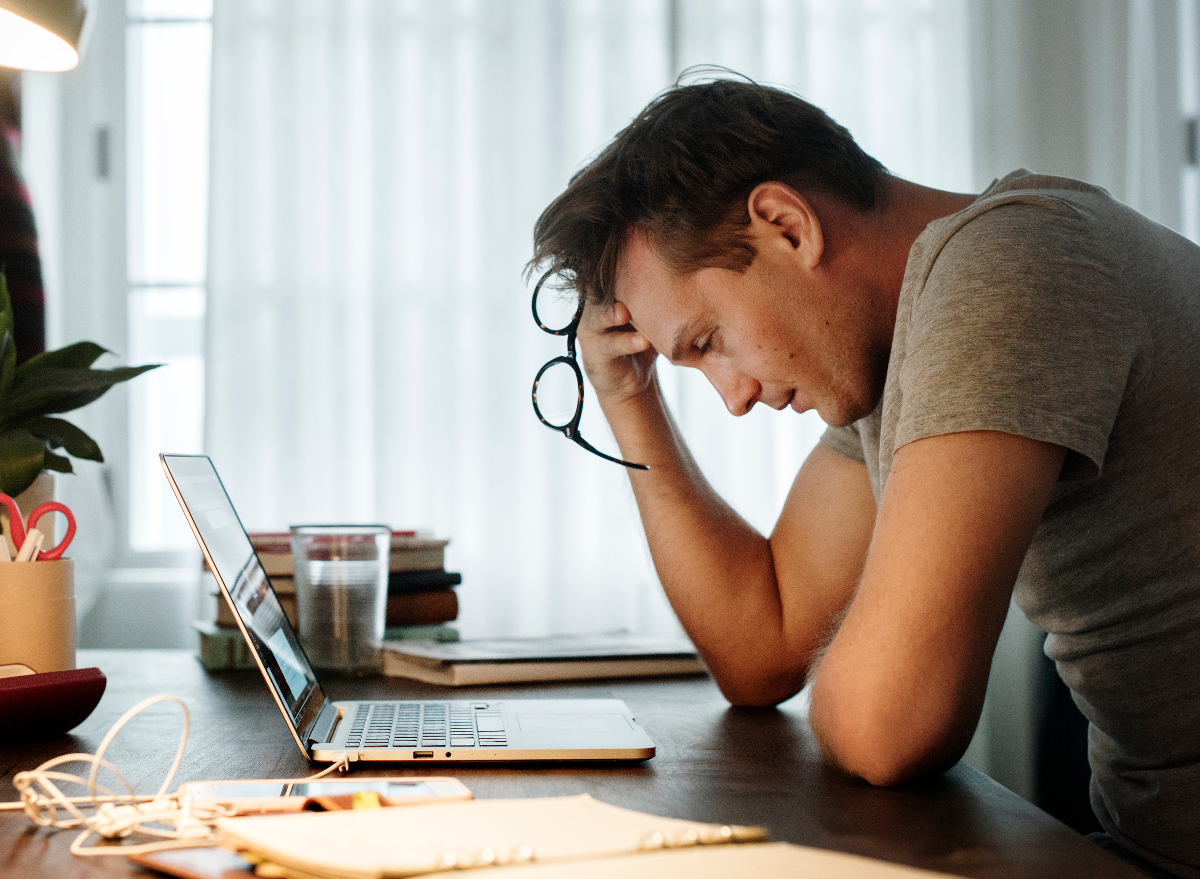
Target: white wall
(83, 258)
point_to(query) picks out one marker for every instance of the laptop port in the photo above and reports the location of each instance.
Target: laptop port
(422, 755)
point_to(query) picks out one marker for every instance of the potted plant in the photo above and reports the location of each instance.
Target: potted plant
(47, 384)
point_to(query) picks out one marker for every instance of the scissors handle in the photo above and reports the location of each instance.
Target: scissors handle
(37, 513)
(16, 525)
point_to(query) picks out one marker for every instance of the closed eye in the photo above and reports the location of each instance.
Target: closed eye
(687, 344)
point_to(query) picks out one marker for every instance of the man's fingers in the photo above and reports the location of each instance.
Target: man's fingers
(613, 342)
(600, 320)
(615, 355)
(619, 313)
(625, 340)
(615, 334)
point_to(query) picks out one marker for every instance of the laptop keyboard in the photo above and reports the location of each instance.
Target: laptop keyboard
(426, 725)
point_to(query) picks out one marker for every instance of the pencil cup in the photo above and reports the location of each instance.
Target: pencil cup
(341, 594)
(37, 614)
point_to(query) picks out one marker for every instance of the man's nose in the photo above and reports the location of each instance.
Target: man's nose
(738, 391)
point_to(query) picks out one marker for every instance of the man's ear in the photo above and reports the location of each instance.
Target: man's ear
(781, 214)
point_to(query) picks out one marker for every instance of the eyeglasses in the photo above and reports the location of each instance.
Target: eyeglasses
(555, 372)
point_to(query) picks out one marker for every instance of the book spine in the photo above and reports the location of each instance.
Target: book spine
(501, 673)
(422, 608)
(289, 603)
(470, 674)
(428, 608)
(441, 633)
(225, 618)
(283, 584)
(223, 648)
(278, 560)
(400, 582)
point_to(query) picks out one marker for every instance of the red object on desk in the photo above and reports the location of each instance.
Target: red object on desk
(38, 706)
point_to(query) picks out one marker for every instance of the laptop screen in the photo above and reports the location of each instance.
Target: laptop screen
(232, 558)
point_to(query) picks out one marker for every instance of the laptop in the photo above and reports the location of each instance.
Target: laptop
(429, 731)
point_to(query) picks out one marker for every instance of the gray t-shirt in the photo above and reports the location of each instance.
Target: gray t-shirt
(1049, 310)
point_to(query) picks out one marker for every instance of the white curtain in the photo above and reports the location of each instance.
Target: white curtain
(1091, 89)
(377, 167)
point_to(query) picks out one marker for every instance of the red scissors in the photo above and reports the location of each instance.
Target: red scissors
(19, 530)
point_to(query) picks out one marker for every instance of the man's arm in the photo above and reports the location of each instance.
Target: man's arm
(899, 691)
(757, 609)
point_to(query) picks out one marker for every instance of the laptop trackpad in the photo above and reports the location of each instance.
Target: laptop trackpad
(572, 723)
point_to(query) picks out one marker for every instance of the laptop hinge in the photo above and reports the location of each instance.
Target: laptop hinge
(322, 729)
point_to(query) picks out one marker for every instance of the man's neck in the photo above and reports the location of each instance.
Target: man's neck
(870, 250)
(905, 210)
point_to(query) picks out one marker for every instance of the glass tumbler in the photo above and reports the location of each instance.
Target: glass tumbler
(341, 590)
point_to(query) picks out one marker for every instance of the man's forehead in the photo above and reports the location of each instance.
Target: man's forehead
(639, 263)
(643, 282)
(662, 304)
(643, 277)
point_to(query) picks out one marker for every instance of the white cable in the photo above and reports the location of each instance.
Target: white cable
(342, 763)
(124, 719)
(111, 815)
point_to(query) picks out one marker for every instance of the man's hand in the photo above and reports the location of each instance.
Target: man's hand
(618, 359)
(756, 608)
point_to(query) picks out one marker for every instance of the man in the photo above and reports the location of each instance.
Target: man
(1011, 384)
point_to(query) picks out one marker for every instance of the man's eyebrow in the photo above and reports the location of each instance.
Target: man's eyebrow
(683, 338)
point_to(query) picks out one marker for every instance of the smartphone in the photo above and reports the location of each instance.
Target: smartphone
(261, 796)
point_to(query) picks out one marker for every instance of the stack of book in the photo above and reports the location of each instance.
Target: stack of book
(421, 599)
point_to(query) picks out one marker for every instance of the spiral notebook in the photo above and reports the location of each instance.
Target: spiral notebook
(536, 838)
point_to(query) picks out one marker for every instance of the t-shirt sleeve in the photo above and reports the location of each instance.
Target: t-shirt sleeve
(1023, 326)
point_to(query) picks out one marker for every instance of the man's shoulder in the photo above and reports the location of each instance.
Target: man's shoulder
(1023, 205)
(1030, 227)
(1019, 206)
(1022, 180)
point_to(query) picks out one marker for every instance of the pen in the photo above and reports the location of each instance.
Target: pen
(31, 546)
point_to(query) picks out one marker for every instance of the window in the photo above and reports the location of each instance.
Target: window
(342, 134)
(168, 58)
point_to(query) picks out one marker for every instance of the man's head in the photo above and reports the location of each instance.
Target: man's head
(681, 174)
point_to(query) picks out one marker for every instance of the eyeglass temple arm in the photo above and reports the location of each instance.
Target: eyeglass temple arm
(574, 436)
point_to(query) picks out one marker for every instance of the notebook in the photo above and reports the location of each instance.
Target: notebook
(430, 731)
(419, 840)
(535, 838)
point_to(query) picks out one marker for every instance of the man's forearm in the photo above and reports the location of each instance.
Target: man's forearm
(900, 689)
(719, 573)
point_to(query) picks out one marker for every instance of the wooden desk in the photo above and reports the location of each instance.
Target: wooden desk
(714, 763)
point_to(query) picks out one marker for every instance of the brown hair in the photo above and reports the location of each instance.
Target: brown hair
(682, 172)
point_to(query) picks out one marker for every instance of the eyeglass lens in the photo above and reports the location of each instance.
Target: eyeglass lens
(558, 387)
(557, 394)
(555, 310)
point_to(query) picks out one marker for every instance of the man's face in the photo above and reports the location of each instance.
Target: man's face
(777, 333)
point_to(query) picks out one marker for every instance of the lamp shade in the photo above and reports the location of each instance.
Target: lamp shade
(41, 34)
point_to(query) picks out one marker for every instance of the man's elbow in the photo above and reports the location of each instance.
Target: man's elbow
(891, 769)
(885, 755)
(758, 687)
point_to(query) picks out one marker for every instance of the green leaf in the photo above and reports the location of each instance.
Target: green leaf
(81, 355)
(6, 315)
(8, 362)
(22, 456)
(57, 463)
(51, 390)
(64, 435)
